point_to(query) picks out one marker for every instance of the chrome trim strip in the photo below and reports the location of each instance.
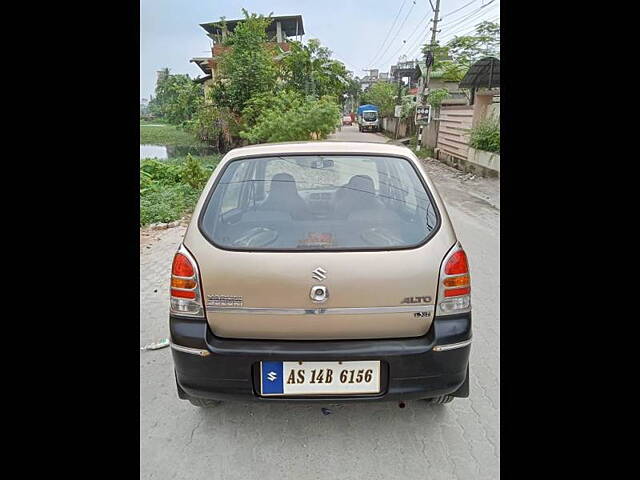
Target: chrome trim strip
(451, 346)
(193, 351)
(321, 311)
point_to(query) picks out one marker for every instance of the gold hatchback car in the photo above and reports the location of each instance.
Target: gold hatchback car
(320, 271)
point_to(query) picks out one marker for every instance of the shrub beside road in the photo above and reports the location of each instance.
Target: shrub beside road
(170, 188)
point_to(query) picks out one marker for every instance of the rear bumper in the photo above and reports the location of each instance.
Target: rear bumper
(228, 369)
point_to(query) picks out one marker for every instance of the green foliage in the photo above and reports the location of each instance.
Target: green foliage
(159, 172)
(193, 173)
(205, 124)
(166, 204)
(455, 58)
(258, 105)
(486, 136)
(424, 152)
(261, 91)
(247, 68)
(383, 95)
(310, 70)
(292, 117)
(177, 98)
(166, 135)
(436, 97)
(169, 189)
(408, 106)
(470, 48)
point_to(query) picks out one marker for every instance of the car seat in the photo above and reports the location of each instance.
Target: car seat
(358, 194)
(284, 197)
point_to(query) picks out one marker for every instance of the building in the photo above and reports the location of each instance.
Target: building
(281, 31)
(438, 81)
(374, 76)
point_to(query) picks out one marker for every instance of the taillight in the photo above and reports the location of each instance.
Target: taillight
(186, 298)
(454, 293)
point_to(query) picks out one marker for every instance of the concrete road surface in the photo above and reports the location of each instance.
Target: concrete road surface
(351, 134)
(460, 440)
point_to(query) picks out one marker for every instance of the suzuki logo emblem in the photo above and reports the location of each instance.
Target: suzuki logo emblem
(272, 376)
(319, 274)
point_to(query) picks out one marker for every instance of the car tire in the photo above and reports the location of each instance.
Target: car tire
(441, 399)
(204, 402)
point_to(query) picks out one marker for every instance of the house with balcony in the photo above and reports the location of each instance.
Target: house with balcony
(280, 32)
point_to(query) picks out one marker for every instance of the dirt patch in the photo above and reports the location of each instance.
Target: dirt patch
(483, 188)
(149, 236)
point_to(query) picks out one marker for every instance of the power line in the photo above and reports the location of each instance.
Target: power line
(467, 16)
(458, 9)
(450, 32)
(388, 33)
(400, 28)
(465, 30)
(407, 39)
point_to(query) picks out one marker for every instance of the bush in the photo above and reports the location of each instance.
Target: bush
(437, 96)
(486, 136)
(166, 135)
(205, 124)
(160, 172)
(171, 188)
(294, 118)
(193, 173)
(166, 203)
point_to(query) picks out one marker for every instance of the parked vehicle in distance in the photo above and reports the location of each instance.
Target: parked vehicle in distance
(320, 271)
(368, 118)
(346, 120)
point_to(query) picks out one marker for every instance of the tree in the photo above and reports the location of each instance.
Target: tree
(353, 91)
(310, 70)
(247, 68)
(470, 48)
(177, 98)
(383, 95)
(437, 96)
(289, 116)
(455, 58)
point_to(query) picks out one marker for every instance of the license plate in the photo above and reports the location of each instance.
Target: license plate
(319, 378)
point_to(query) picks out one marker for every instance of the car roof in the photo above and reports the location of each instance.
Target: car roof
(319, 147)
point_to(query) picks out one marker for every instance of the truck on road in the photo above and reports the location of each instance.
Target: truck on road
(368, 118)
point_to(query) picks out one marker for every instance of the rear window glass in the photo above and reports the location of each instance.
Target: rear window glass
(323, 202)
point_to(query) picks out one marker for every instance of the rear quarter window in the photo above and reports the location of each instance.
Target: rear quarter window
(319, 202)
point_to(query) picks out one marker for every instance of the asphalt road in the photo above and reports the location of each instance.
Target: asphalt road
(460, 440)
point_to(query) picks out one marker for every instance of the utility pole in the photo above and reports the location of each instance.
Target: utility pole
(397, 119)
(434, 31)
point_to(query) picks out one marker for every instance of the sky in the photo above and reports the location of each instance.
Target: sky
(362, 34)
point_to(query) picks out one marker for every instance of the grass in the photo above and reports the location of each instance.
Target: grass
(155, 121)
(166, 135)
(164, 195)
(425, 152)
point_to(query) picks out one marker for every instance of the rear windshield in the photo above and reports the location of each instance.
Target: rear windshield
(370, 116)
(323, 202)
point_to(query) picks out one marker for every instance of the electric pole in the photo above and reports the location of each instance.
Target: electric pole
(429, 61)
(434, 31)
(398, 102)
